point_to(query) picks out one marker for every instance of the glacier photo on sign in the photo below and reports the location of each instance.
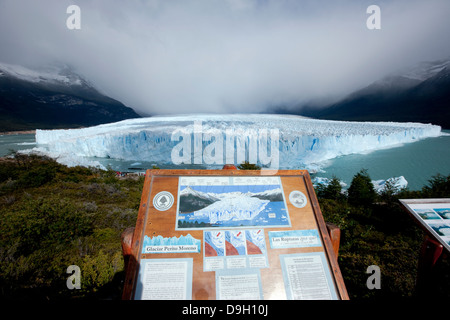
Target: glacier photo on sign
(211, 206)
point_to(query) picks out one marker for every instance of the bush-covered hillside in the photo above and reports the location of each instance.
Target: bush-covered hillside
(375, 230)
(52, 216)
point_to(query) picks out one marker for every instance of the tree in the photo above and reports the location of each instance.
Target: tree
(248, 166)
(438, 187)
(361, 190)
(332, 190)
(389, 191)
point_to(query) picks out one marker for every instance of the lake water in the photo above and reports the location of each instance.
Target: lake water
(417, 161)
(16, 142)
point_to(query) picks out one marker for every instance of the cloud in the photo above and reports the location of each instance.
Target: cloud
(224, 55)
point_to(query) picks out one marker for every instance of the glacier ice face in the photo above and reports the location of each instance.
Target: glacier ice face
(235, 208)
(397, 183)
(160, 240)
(66, 158)
(325, 182)
(301, 142)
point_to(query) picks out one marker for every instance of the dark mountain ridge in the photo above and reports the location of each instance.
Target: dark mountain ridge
(60, 99)
(420, 94)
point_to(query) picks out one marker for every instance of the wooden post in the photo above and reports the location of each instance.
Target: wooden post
(335, 236)
(429, 254)
(229, 167)
(126, 237)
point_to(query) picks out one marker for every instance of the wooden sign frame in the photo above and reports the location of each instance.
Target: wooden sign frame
(157, 218)
(418, 208)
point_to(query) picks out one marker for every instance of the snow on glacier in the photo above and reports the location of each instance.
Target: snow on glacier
(162, 241)
(232, 208)
(397, 183)
(302, 142)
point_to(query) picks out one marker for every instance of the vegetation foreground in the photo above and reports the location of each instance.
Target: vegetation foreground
(52, 217)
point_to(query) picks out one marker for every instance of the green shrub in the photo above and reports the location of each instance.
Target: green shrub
(438, 187)
(51, 217)
(383, 234)
(248, 166)
(99, 269)
(361, 190)
(36, 223)
(333, 190)
(74, 216)
(36, 177)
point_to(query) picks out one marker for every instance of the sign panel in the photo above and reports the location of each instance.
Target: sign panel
(210, 202)
(306, 277)
(294, 239)
(234, 249)
(433, 215)
(165, 279)
(231, 234)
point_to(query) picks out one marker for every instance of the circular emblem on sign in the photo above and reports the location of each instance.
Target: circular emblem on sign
(298, 199)
(163, 201)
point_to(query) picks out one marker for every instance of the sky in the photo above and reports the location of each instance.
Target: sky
(224, 56)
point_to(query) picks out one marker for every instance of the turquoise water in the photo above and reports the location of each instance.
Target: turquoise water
(417, 161)
(14, 142)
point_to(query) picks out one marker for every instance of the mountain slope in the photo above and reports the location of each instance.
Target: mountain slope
(53, 99)
(271, 195)
(191, 200)
(421, 94)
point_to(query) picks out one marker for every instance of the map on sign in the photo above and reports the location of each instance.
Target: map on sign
(231, 234)
(227, 202)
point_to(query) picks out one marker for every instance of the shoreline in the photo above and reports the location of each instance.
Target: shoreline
(8, 133)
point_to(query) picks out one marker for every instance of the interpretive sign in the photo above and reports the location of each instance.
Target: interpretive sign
(227, 202)
(433, 215)
(231, 234)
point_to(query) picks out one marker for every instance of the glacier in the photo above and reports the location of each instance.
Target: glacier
(161, 241)
(398, 183)
(300, 143)
(235, 208)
